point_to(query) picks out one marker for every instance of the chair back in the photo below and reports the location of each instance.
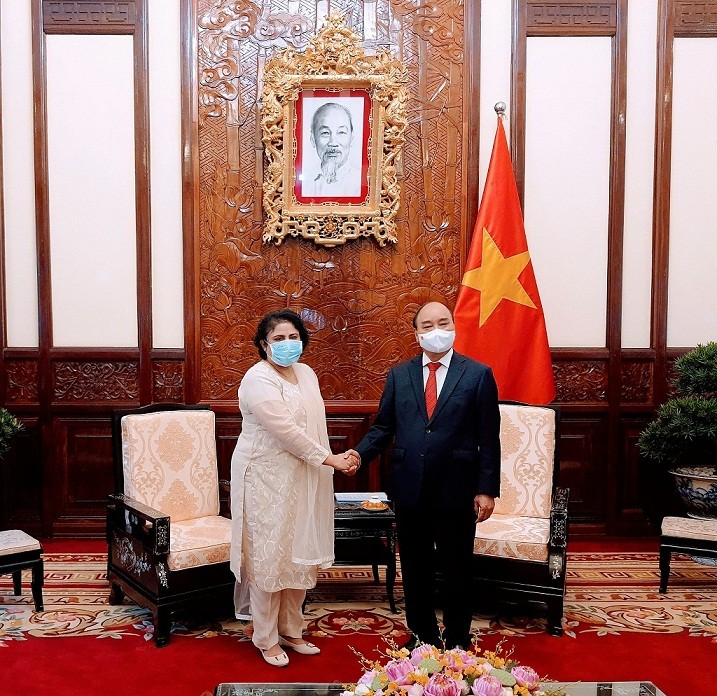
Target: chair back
(528, 446)
(169, 462)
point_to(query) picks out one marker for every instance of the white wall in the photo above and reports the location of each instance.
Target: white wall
(20, 256)
(692, 296)
(91, 183)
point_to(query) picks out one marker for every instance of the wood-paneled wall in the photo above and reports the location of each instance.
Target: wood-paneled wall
(358, 299)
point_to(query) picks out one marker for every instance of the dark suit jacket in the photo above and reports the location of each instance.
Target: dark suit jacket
(455, 455)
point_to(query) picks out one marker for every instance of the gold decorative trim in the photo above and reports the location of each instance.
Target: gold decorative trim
(334, 70)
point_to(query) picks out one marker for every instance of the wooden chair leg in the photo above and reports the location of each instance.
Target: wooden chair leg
(17, 582)
(116, 594)
(38, 579)
(162, 626)
(665, 557)
(555, 618)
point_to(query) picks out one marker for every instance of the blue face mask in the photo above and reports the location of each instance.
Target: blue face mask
(286, 353)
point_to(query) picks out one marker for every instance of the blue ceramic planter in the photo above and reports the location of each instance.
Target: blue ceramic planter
(697, 486)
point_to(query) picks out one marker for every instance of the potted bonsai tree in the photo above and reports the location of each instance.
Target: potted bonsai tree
(683, 437)
(9, 427)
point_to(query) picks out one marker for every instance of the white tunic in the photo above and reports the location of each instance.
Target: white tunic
(281, 493)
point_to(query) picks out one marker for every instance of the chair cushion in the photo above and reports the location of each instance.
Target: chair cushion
(690, 528)
(169, 460)
(16, 541)
(527, 443)
(508, 536)
(198, 542)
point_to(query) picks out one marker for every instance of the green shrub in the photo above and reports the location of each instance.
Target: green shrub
(684, 432)
(9, 427)
(697, 371)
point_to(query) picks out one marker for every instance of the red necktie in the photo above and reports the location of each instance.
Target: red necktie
(431, 388)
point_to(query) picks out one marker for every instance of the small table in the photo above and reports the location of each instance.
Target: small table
(19, 551)
(569, 688)
(367, 537)
(690, 536)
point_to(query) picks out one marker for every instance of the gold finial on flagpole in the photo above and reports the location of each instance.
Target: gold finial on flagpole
(500, 109)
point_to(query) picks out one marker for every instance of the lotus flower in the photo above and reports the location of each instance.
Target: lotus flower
(487, 686)
(420, 652)
(526, 676)
(458, 659)
(441, 685)
(398, 670)
(367, 677)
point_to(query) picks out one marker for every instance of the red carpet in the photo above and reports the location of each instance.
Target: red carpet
(617, 628)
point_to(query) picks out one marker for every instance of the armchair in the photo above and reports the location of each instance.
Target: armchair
(520, 551)
(168, 546)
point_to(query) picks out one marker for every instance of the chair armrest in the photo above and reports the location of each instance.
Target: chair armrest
(149, 526)
(559, 518)
(558, 533)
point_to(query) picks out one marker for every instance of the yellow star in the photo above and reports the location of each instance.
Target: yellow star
(497, 278)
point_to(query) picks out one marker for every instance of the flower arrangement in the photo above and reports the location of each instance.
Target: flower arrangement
(430, 671)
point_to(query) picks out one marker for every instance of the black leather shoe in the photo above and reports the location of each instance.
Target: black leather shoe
(414, 641)
(411, 643)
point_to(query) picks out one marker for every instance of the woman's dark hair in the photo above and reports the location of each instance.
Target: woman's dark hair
(269, 323)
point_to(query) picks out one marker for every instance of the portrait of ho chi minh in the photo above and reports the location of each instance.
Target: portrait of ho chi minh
(332, 137)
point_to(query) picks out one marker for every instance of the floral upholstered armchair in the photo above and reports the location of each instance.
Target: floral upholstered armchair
(520, 551)
(168, 546)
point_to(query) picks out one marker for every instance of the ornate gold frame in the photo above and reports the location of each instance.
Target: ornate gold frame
(334, 61)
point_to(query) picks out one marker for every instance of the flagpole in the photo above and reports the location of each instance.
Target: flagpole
(500, 109)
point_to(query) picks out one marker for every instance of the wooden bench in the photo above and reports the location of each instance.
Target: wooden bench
(19, 551)
(689, 536)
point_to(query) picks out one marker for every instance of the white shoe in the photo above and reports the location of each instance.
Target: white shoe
(304, 648)
(280, 660)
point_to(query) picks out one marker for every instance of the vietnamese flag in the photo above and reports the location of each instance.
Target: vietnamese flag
(499, 318)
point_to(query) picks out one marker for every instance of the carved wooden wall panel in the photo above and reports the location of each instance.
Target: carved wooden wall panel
(22, 381)
(168, 381)
(637, 387)
(75, 380)
(81, 478)
(578, 17)
(695, 18)
(583, 466)
(338, 290)
(581, 381)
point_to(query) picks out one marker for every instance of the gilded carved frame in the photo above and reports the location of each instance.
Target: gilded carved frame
(335, 73)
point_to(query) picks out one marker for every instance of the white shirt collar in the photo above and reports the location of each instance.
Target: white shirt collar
(445, 360)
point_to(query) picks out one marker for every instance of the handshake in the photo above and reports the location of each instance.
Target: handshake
(347, 463)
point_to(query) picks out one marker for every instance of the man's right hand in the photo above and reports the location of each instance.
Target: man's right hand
(346, 463)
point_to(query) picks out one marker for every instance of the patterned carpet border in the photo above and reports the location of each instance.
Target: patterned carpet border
(607, 593)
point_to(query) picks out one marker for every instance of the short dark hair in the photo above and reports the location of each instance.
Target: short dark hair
(271, 321)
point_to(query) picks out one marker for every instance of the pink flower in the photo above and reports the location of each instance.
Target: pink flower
(441, 685)
(398, 670)
(487, 686)
(458, 659)
(367, 677)
(526, 676)
(420, 652)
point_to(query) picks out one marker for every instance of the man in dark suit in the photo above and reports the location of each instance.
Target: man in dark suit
(441, 410)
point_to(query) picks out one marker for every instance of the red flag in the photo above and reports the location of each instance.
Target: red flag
(499, 317)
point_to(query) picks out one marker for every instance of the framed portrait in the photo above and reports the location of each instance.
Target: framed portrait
(332, 133)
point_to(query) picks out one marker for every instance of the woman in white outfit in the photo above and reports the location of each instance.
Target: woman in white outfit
(282, 487)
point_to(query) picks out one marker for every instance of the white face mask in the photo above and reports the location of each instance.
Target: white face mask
(437, 341)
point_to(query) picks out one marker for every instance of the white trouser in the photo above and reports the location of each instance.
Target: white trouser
(276, 613)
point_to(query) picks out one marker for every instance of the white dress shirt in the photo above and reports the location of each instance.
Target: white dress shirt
(441, 372)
